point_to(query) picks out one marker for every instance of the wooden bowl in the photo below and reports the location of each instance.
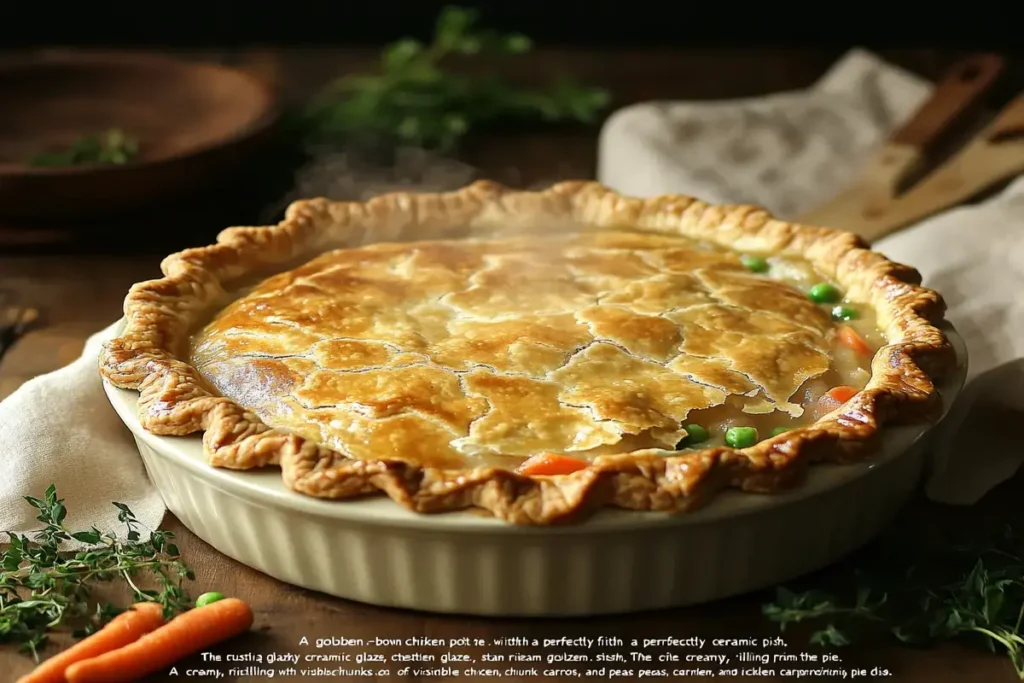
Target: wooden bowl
(194, 124)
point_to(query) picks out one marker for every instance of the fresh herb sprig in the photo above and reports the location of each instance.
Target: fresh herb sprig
(110, 148)
(43, 588)
(412, 100)
(921, 592)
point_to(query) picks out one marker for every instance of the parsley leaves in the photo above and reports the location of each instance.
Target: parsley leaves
(414, 101)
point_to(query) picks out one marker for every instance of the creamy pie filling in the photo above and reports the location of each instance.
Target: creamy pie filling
(485, 353)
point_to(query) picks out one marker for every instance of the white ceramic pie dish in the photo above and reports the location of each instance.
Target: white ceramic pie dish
(374, 551)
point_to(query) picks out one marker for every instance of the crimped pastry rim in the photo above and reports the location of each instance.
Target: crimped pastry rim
(159, 315)
(899, 443)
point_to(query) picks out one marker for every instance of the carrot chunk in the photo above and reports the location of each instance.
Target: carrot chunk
(841, 394)
(832, 399)
(122, 630)
(184, 635)
(849, 338)
(550, 464)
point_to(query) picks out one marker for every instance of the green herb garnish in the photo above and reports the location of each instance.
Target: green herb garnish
(921, 591)
(413, 100)
(109, 148)
(43, 588)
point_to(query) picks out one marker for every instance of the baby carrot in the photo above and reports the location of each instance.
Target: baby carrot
(849, 338)
(549, 464)
(123, 629)
(184, 635)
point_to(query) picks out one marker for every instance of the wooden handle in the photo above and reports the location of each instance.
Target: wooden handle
(1009, 124)
(992, 156)
(954, 97)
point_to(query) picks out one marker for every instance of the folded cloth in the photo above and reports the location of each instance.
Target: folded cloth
(974, 256)
(787, 152)
(60, 429)
(791, 151)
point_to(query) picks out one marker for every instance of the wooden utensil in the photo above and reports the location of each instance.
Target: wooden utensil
(879, 203)
(194, 122)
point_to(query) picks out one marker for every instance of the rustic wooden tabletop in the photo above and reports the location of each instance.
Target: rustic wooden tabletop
(79, 280)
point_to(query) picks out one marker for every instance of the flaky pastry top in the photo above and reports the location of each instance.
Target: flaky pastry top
(435, 352)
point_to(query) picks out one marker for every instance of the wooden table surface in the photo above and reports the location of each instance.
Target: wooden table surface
(80, 284)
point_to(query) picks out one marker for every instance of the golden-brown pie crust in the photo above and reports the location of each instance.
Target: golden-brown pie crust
(151, 355)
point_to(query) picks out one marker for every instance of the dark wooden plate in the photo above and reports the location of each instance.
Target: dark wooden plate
(194, 124)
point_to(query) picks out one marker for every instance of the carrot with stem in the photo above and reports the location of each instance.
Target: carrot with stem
(122, 630)
(184, 635)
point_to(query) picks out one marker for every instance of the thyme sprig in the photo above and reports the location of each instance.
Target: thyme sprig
(921, 591)
(44, 588)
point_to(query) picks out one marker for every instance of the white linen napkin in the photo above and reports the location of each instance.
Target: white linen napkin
(786, 152)
(59, 429)
(974, 256)
(791, 151)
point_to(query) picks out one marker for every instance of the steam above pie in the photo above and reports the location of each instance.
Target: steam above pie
(470, 350)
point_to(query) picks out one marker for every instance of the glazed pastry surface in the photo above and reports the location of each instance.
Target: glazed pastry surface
(458, 354)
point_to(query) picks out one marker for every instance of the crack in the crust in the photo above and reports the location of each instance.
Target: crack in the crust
(253, 356)
(362, 412)
(311, 281)
(608, 342)
(704, 383)
(374, 368)
(587, 408)
(273, 321)
(467, 393)
(390, 346)
(570, 357)
(720, 294)
(676, 349)
(759, 389)
(746, 311)
(285, 322)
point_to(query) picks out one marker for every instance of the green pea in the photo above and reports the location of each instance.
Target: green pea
(780, 430)
(207, 598)
(694, 434)
(755, 264)
(824, 293)
(740, 437)
(843, 313)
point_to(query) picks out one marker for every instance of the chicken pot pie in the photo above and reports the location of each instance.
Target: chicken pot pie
(535, 355)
